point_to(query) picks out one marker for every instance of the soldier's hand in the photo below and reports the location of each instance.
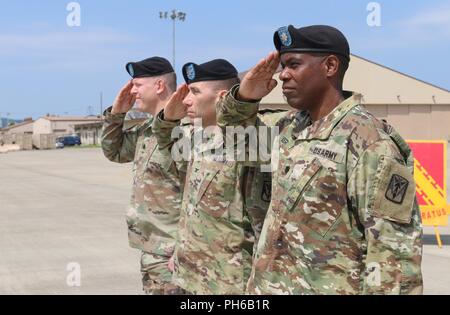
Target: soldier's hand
(171, 264)
(124, 100)
(175, 109)
(258, 82)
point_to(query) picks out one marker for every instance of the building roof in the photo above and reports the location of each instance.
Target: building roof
(72, 118)
(379, 85)
(23, 123)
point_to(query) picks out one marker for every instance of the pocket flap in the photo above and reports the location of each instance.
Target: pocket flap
(299, 180)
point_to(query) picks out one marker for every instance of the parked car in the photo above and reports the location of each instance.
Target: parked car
(69, 140)
(59, 145)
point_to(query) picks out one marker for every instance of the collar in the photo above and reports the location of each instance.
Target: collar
(322, 128)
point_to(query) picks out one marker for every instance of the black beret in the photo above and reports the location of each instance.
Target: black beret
(314, 38)
(149, 67)
(214, 70)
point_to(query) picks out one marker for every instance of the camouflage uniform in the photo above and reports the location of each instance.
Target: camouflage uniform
(343, 217)
(154, 210)
(214, 249)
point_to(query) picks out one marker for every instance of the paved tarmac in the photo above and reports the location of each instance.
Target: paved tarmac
(64, 209)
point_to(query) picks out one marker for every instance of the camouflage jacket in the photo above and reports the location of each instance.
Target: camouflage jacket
(215, 235)
(343, 218)
(154, 210)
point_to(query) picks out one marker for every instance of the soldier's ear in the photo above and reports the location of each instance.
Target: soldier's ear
(160, 86)
(332, 65)
(222, 93)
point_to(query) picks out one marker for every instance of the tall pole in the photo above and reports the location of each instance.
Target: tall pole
(174, 15)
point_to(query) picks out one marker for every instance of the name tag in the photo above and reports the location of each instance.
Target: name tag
(327, 153)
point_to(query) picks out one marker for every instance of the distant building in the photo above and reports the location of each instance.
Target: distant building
(61, 125)
(46, 129)
(89, 133)
(24, 127)
(5, 122)
(20, 134)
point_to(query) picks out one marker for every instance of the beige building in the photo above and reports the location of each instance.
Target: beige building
(89, 133)
(417, 109)
(61, 125)
(25, 127)
(46, 129)
(18, 134)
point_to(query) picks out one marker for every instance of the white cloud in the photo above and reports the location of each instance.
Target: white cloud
(431, 25)
(435, 17)
(428, 27)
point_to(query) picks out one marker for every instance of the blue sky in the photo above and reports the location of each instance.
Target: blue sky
(48, 67)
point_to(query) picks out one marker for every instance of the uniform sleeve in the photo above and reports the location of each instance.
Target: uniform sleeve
(231, 112)
(118, 145)
(250, 133)
(382, 193)
(168, 134)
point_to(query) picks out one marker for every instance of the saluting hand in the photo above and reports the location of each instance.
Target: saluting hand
(175, 109)
(124, 100)
(258, 82)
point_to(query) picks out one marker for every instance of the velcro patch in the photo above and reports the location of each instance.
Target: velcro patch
(397, 188)
(393, 192)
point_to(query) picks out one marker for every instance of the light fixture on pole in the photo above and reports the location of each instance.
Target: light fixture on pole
(174, 15)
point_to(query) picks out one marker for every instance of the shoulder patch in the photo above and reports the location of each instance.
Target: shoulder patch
(397, 188)
(394, 190)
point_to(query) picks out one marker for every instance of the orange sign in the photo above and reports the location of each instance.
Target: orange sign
(430, 170)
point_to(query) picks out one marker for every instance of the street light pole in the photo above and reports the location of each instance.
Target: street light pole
(175, 15)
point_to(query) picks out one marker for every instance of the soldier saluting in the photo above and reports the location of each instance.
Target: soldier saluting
(343, 218)
(224, 202)
(154, 210)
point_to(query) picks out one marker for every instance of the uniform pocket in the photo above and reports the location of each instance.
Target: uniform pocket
(322, 198)
(291, 188)
(217, 189)
(160, 159)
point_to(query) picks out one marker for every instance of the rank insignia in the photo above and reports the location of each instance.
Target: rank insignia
(130, 69)
(285, 36)
(190, 71)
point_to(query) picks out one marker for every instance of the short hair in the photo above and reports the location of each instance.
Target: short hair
(170, 79)
(343, 63)
(226, 84)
